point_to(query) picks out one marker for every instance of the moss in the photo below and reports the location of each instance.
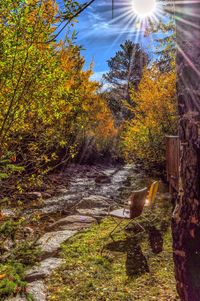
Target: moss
(127, 270)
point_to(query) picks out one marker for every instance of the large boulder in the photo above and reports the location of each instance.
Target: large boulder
(94, 201)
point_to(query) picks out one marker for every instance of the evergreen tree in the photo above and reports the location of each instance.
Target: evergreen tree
(125, 72)
(166, 50)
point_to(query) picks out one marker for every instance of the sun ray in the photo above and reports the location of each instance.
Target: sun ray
(188, 60)
(187, 22)
(126, 28)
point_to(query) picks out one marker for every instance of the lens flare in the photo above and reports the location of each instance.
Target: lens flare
(144, 8)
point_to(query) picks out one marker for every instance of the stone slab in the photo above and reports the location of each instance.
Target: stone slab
(44, 269)
(94, 212)
(93, 201)
(73, 222)
(50, 242)
(38, 290)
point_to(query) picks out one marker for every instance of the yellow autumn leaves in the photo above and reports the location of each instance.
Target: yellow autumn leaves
(48, 102)
(155, 115)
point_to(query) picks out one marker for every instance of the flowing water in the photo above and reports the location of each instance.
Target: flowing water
(118, 183)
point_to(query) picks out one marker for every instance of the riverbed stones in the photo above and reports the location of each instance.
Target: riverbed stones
(110, 172)
(7, 213)
(62, 199)
(57, 204)
(97, 213)
(50, 243)
(95, 206)
(103, 179)
(35, 195)
(72, 222)
(94, 201)
(44, 269)
(38, 290)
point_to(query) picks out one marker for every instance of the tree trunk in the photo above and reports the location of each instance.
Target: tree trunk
(186, 216)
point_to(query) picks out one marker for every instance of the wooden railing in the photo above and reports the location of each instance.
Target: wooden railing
(173, 158)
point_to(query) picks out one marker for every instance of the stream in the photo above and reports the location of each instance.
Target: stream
(112, 183)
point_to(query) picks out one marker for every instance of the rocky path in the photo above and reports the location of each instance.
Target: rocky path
(82, 203)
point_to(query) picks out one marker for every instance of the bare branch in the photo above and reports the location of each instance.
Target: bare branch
(69, 21)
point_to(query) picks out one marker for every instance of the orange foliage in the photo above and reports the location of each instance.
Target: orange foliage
(154, 117)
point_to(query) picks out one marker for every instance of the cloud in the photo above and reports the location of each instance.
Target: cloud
(98, 76)
(97, 20)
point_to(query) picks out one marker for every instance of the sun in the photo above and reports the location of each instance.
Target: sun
(144, 8)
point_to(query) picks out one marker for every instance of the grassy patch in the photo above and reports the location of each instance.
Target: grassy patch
(11, 279)
(15, 259)
(126, 271)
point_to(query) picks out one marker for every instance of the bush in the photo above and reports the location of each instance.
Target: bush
(143, 138)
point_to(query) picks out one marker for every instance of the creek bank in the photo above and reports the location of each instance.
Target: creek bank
(81, 203)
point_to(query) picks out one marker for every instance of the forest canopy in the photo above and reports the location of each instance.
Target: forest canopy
(49, 106)
(52, 113)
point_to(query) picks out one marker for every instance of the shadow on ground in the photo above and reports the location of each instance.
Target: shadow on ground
(136, 262)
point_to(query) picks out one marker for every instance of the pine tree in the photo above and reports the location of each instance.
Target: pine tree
(166, 49)
(125, 72)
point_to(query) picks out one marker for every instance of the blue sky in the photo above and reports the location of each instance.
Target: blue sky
(101, 36)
